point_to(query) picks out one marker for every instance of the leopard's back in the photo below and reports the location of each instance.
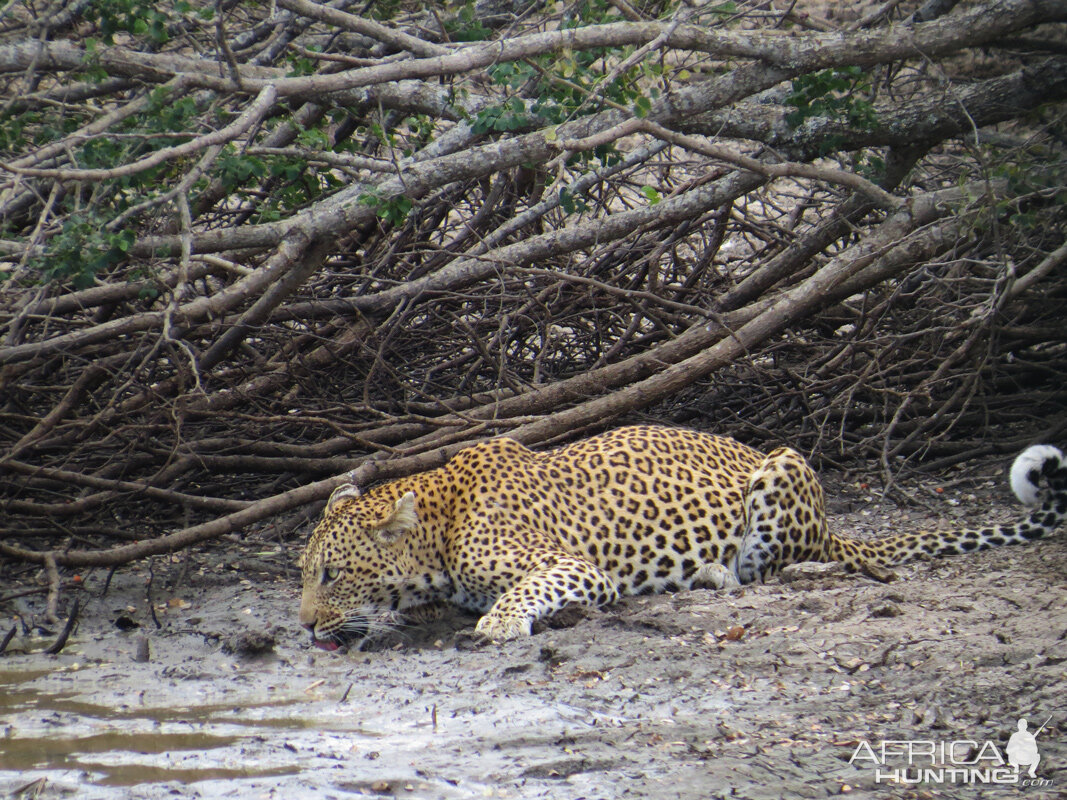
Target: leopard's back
(648, 505)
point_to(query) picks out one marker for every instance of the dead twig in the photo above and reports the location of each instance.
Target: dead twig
(8, 637)
(61, 640)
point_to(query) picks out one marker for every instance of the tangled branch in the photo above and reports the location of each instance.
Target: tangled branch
(250, 252)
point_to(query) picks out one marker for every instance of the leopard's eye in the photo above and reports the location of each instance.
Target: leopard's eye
(329, 574)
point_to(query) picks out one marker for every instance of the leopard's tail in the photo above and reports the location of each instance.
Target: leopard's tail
(1048, 509)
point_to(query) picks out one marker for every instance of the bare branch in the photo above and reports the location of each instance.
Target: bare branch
(780, 169)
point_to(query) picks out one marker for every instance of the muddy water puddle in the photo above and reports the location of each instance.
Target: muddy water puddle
(262, 733)
(64, 733)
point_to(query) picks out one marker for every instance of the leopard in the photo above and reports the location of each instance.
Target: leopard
(518, 535)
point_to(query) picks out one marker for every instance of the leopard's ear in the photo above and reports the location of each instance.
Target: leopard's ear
(401, 519)
(341, 492)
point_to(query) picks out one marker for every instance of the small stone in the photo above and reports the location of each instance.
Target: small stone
(887, 610)
(249, 643)
(809, 570)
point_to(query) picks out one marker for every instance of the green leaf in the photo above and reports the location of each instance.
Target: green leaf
(566, 201)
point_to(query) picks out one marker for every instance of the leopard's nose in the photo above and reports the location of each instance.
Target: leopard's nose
(307, 615)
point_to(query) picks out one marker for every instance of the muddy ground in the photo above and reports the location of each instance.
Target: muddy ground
(761, 692)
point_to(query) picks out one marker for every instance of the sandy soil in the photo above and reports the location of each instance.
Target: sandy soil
(762, 692)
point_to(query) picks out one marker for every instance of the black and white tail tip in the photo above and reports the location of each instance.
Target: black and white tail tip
(1029, 466)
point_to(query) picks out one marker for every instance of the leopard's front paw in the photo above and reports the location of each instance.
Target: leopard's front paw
(499, 628)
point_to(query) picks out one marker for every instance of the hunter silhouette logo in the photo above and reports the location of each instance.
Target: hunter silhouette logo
(914, 761)
(1022, 748)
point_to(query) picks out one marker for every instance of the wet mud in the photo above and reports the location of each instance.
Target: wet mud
(760, 692)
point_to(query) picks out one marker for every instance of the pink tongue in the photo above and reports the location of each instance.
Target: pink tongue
(326, 644)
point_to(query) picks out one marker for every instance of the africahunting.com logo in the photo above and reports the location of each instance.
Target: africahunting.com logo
(913, 761)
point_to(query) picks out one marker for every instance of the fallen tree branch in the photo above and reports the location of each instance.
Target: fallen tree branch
(775, 169)
(272, 506)
(68, 477)
(252, 115)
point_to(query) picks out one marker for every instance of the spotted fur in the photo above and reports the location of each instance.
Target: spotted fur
(519, 535)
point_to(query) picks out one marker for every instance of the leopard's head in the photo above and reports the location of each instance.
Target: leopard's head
(361, 567)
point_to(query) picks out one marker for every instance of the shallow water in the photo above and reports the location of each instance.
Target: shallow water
(77, 731)
(60, 733)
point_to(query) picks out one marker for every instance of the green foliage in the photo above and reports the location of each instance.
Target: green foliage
(1029, 172)
(85, 246)
(81, 249)
(235, 169)
(13, 128)
(869, 164)
(166, 113)
(275, 185)
(605, 154)
(314, 138)
(383, 9)
(556, 87)
(300, 65)
(421, 129)
(139, 18)
(563, 86)
(513, 74)
(509, 116)
(391, 209)
(1037, 185)
(92, 71)
(835, 94)
(465, 26)
(18, 127)
(652, 195)
(571, 202)
(642, 105)
(590, 12)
